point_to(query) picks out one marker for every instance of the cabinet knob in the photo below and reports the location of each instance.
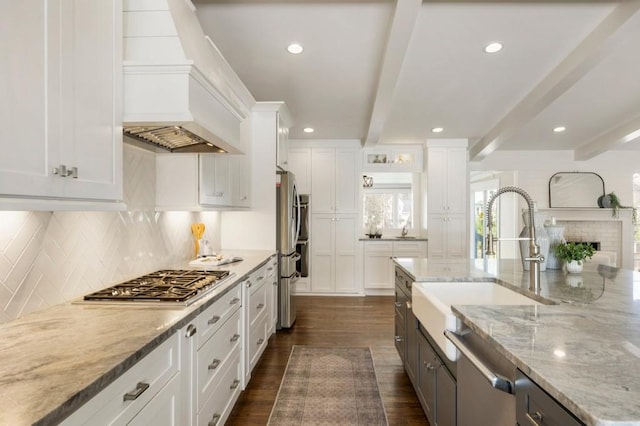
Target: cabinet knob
(235, 384)
(214, 364)
(260, 341)
(234, 338)
(260, 306)
(399, 339)
(429, 366)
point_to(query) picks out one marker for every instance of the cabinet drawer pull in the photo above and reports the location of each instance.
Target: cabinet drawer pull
(535, 419)
(235, 384)
(260, 306)
(398, 304)
(214, 364)
(234, 301)
(191, 330)
(270, 269)
(140, 388)
(214, 319)
(429, 366)
(234, 338)
(260, 341)
(399, 339)
(214, 420)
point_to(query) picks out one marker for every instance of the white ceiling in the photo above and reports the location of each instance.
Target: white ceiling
(387, 72)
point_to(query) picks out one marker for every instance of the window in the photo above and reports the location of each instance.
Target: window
(388, 204)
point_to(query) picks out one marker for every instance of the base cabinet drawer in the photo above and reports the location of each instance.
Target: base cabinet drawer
(257, 341)
(535, 407)
(215, 355)
(123, 399)
(217, 408)
(164, 408)
(217, 314)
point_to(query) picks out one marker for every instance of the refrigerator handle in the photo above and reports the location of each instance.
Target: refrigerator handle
(298, 219)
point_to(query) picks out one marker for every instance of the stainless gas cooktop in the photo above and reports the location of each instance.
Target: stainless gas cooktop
(168, 285)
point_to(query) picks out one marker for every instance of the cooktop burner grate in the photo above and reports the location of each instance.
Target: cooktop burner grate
(168, 285)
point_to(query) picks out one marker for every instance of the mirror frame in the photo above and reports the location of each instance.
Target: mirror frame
(595, 201)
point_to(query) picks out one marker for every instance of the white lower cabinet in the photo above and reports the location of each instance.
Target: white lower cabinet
(333, 253)
(378, 266)
(155, 378)
(196, 376)
(257, 299)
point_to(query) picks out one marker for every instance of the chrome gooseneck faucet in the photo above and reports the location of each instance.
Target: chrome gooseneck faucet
(534, 258)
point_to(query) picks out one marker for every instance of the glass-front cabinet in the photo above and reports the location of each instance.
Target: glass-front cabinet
(393, 158)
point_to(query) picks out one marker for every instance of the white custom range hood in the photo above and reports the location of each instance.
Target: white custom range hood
(179, 94)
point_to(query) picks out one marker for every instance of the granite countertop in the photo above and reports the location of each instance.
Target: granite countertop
(584, 350)
(56, 359)
(392, 238)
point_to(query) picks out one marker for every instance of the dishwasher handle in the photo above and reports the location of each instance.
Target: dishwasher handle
(495, 380)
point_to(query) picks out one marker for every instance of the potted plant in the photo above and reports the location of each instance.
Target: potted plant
(574, 255)
(612, 201)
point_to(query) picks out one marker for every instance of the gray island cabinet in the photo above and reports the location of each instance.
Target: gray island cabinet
(574, 358)
(429, 374)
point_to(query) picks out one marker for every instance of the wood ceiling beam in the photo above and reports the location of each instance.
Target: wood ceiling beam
(567, 73)
(402, 26)
(618, 136)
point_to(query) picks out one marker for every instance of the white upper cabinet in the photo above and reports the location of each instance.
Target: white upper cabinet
(299, 162)
(334, 180)
(282, 147)
(393, 158)
(61, 109)
(189, 181)
(215, 181)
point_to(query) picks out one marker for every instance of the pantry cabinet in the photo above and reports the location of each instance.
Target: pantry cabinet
(334, 253)
(447, 198)
(61, 106)
(334, 180)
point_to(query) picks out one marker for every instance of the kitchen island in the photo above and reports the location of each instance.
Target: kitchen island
(57, 359)
(584, 350)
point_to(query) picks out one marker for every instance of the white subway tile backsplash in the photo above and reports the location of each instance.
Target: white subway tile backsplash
(47, 258)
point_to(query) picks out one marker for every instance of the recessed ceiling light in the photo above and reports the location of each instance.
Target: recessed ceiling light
(295, 48)
(493, 47)
(308, 130)
(437, 130)
(559, 129)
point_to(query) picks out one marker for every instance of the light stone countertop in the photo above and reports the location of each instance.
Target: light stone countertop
(388, 238)
(584, 350)
(56, 359)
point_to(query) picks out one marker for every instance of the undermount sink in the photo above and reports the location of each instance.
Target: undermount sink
(432, 305)
(406, 238)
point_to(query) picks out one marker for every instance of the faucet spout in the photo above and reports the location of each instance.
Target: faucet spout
(534, 257)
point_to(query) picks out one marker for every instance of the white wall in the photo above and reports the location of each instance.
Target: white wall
(535, 168)
(47, 258)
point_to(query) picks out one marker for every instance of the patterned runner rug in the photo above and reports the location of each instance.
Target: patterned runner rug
(328, 386)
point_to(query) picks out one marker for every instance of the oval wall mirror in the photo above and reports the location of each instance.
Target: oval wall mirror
(575, 189)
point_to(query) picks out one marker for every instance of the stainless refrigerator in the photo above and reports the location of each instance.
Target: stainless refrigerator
(287, 232)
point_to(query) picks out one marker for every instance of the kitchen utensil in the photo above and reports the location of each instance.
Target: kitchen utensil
(197, 229)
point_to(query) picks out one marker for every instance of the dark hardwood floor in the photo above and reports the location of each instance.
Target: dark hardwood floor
(334, 321)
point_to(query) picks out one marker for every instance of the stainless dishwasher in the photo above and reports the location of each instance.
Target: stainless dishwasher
(485, 382)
